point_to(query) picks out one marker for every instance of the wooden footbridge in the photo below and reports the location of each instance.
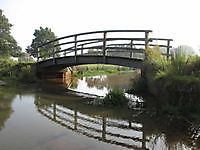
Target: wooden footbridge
(117, 47)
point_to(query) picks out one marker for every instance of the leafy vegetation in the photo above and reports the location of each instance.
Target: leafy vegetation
(8, 45)
(176, 82)
(138, 86)
(43, 35)
(12, 70)
(115, 97)
(95, 69)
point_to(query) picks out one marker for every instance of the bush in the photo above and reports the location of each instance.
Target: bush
(138, 86)
(115, 97)
(175, 82)
(11, 70)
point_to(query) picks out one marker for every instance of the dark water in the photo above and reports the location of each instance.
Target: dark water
(49, 118)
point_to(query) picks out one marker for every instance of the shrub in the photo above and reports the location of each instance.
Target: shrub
(115, 97)
(10, 70)
(176, 81)
(138, 86)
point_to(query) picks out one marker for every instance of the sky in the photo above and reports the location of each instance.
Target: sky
(176, 19)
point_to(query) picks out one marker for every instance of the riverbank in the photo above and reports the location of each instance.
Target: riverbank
(97, 69)
(175, 83)
(12, 71)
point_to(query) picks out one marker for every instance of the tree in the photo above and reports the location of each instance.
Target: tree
(42, 36)
(8, 45)
(184, 50)
(24, 57)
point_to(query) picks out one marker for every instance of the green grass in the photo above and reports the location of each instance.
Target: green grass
(95, 69)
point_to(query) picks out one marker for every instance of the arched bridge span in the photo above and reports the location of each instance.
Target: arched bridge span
(117, 47)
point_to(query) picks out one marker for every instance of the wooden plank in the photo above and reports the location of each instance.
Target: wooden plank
(160, 39)
(93, 32)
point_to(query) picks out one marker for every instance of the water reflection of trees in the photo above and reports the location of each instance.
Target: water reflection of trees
(177, 133)
(5, 106)
(157, 131)
(109, 81)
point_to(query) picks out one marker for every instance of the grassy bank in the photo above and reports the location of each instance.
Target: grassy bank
(95, 69)
(12, 71)
(174, 82)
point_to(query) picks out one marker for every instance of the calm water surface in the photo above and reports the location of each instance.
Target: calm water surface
(50, 118)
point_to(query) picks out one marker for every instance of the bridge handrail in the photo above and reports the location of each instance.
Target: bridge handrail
(93, 32)
(79, 44)
(95, 40)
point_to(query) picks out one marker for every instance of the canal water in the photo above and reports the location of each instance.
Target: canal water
(53, 118)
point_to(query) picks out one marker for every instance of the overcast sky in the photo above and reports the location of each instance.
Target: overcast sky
(177, 19)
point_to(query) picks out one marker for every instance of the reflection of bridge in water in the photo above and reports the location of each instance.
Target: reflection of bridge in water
(123, 133)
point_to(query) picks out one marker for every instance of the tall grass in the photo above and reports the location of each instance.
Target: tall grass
(175, 82)
(179, 65)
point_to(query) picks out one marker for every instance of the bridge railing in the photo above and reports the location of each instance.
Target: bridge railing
(121, 43)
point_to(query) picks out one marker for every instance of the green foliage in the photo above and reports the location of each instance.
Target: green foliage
(5, 67)
(115, 97)
(25, 58)
(193, 66)
(139, 86)
(95, 69)
(155, 62)
(11, 70)
(43, 35)
(175, 82)
(181, 65)
(153, 54)
(8, 45)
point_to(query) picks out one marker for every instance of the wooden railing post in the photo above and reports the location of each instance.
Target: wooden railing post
(81, 49)
(75, 47)
(103, 128)
(146, 39)
(104, 46)
(146, 43)
(75, 120)
(131, 46)
(143, 140)
(54, 111)
(168, 48)
(54, 61)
